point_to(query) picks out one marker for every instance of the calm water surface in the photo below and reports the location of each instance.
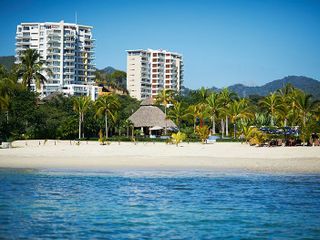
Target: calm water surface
(158, 205)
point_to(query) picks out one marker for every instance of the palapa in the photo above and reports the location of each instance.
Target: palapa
(150, 116)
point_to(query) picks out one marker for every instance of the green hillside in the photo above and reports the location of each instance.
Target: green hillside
(7, 61)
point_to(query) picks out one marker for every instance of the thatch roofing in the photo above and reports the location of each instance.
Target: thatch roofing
(147, 102)
(150, 116)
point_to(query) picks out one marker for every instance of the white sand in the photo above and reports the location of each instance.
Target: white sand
(218, 156)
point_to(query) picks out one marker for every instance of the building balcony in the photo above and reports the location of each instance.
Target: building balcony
(69, 35)
(51, 59)
(71, 47)
(20, 48)
(54, 34)
(53, 40)
(68, 53)
(50, 53)
(69, 60)
(89, 39)
(54, 47)
(68, 66)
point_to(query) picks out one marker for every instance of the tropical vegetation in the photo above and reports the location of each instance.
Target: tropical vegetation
(197, 114)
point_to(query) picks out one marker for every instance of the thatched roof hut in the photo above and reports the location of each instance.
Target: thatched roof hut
(150, 116)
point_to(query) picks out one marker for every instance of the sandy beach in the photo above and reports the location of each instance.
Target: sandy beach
(218, 156)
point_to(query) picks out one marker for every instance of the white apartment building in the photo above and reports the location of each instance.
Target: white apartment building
(67, 49)
(150, 71)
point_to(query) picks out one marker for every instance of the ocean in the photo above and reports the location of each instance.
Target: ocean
(136, 204)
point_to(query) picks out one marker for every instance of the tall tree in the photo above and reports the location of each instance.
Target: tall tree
(239, 109)
(165, 97)
(272, 104)
(31, 69)
(226, 98)
(106, 106)
(178, 113)
(214, 107)
(203, 93)
(284, 99)
(81, 105)
(305, 106)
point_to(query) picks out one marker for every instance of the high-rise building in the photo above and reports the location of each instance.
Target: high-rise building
(150, 71)
(68, 51)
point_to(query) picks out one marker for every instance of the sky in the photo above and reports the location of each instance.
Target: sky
(222, 42)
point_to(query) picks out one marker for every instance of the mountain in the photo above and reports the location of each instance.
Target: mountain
(7, 61)
(306, 84)
(112, 77)
(108, 70)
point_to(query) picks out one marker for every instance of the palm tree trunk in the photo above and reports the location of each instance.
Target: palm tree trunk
(82, 120)
(79, 126)
(234, 130)
(213, 125)
(165, 114)
(127, 131)
(106, 122)
(227, 127)
(194, 125)
(222, 127)
(285, 122)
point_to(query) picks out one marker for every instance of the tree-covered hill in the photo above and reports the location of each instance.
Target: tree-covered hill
(108, 70)
(306, 84)
(112, 77)
(7, 61)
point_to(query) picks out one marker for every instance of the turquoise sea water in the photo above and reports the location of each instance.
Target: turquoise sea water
(52, 204)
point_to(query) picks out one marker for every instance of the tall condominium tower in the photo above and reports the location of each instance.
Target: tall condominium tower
(67, 49)
(150, 71)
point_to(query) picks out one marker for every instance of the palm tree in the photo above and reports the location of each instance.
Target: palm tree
(201, 112)
(106, 105)
(128, 124)
(178, 113)
(81, 105)
(165, 97)
(294, 108)
(203, 93)
(31, 68)
(284, 99)
(239, 109)
(214, 107)
(305, 106)
(272, 104)
(226, 98)
(197, 111)
(193, 112)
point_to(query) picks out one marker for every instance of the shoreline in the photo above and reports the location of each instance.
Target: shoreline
(160, 156)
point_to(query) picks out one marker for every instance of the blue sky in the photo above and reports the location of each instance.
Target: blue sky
(223, 42)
